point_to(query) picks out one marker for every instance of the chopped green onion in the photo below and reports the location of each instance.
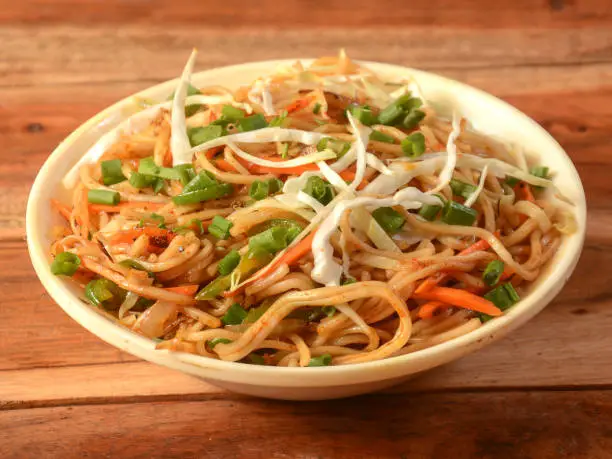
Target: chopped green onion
(65, 264)
(105, 293)
(201, 181)
(317, 108)
(381, 137)
(252, 123)
(186, 173)
(138, 180)
(200, 135)
(212, 192)
(320, 361)
(502, 296)
(319, 189)
(234, 315)
(429, 212)
(147, 166)
(340, 147)
(413, 145)
(256, 359)
(259, 189)
(132, 264)
(219, 227)
(364, 115)
(285, 150)
(459, 188)
(232, 113)
(284, 222)
(228, 262)
(329, 311)
(198, 224)
(111, 172)
(412, 119)
(278, 121)
(213, 342)
(389, 219)
(458, 214)
(539, 171)
(107, 197)
(493, 272)
(393, 112)
(158, 185)
(273, 239)
(349, 281)
(275, 185)
(512, 181)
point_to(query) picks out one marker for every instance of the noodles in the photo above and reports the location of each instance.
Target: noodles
(319, 216)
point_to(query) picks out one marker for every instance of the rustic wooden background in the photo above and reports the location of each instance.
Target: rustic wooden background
(544, 392)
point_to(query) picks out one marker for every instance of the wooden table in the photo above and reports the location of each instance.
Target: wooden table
(543, 392)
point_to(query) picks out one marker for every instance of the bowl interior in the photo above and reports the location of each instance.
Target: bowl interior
(486, 114)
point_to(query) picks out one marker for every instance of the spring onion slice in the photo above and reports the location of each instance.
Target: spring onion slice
(451, 159)
(179, 141)
(469, 202)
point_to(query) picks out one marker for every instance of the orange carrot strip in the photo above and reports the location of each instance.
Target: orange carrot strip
(213, 151)
(297, 170)
(434, 280)
(124, 205)
(189, 290)
(290, 257)
(427, 310)
(298, 104)
(63, 209)
(225, 166)
(460, 298)
(524, 191)
(349, 176)
(129, 236)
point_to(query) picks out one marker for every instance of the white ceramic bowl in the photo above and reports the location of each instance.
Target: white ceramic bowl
(486, 113)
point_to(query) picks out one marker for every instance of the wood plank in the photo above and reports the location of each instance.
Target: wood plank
(541, 425)
(302, 15)
(69, 55)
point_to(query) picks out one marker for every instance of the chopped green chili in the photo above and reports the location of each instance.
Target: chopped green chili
(65, 264)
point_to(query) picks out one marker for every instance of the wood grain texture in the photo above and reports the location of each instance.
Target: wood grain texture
(314, 15)
(539, 425)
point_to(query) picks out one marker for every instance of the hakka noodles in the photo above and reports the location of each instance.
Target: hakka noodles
(319, 216)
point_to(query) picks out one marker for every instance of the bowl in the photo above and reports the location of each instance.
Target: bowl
(485, 112)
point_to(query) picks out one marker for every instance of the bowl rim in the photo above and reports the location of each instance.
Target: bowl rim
(125, 339)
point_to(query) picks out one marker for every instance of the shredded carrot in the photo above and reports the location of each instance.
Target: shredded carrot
(524, 191)
(63, 209)
(95, 208)
(460, 298)
(213, 151)
(189, 290)
(129, 236)
(168, 158)
(298, 104)
(289, 258)
(434, 280)
(427, 310)
(297, 170)
(224, 165)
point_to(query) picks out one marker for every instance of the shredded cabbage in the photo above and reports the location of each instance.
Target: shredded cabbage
(451, 150)
(179, 141)
(469, 202)
(362, 220)
(299, 161)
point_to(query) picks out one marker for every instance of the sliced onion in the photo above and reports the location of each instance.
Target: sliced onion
(154, 320)
(179, 141)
